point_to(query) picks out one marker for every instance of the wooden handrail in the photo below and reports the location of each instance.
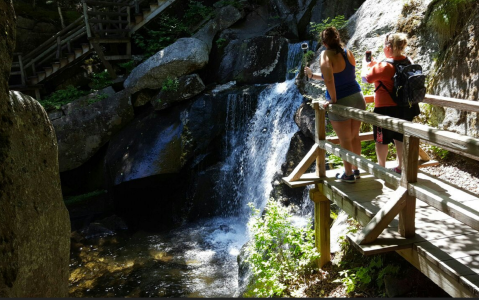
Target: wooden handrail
(53, 38)
(457, 143)
(403, 203)
(53, 47)
(466, 105)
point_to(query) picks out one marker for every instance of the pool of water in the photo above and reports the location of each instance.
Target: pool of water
(197, 260)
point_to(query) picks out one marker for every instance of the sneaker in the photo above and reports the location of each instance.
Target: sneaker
(356, 174)
(396, 169)
(346, 178)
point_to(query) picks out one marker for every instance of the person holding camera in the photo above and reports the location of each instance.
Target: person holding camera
(381, 74)
(338, 72)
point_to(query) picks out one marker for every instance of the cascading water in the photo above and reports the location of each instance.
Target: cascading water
(200, 259)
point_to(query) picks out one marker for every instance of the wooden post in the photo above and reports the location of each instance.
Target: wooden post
(407, 216)
(37, 94)
(87, 24)
(22, 71)
(59, 47)
(107, 65)
(320, 134)
(321, 223)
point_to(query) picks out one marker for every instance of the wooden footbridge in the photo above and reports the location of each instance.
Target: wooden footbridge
(105, 27)
(439, 234)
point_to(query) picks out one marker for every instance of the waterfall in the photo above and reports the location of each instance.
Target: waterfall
(256, 148)
(200, 259)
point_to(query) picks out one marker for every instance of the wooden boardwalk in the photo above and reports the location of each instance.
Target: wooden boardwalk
(444, 249)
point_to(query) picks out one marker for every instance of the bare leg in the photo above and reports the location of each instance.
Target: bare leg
(382, 153)
(356, 143)
(399, 146)
(343, 130)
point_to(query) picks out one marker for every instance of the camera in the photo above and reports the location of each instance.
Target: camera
(368, 56)
(304, 47)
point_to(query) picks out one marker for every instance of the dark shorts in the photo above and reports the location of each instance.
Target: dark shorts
(385, 136)
(355, 100)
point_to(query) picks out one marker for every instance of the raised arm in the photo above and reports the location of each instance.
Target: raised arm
(327, 70)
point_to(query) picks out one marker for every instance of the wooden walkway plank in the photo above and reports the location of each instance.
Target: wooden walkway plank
(389, 240)
(448, 283)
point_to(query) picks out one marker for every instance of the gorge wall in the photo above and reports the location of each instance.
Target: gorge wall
(34, 223)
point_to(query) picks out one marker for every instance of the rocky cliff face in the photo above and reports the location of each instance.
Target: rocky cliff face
(452, 71)
(34, 223)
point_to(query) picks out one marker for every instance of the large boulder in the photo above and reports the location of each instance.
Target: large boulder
(256, 60)
(34, 223)
(305, 119)
(183, 57)
(88, 126)
(187, 87)
(224, 18)
(161, 142)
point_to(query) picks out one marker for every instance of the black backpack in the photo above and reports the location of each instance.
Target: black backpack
(409, 83)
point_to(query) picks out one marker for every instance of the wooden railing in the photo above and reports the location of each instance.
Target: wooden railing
(50, 48)
(406, 185)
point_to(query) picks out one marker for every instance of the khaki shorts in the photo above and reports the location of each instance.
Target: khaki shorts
(355, 101)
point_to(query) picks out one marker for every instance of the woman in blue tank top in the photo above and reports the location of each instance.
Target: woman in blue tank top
(338, 72)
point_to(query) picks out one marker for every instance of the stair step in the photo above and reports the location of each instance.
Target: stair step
(41, 76)
(32, 80)
(104, 3)
(48, 71)
(138, 18)
(112, 31)
(85, 47)
(146, 12)
(153, 6)
(108, 21)
(63, 62)
(106, 40)
(55, 66)
(71, 57)
(117, 57)
(78, 52)
(107, 13)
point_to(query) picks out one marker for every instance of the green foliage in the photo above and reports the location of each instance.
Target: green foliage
(362, 276)
(167, 30)
(338, 22)
(97, 98)
(220, 43)
(196, 12)
(361, 273)
(278, 252)
(368, 150)
(366, 88)
(170, 84)
(447, 16)
(439, 152)
(334, 161)
(222, 3)
(62, 97)
(128, 66)
(308, 58)
(100, 80)
(83, 197)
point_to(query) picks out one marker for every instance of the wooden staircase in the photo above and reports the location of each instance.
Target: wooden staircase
(105, 28)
